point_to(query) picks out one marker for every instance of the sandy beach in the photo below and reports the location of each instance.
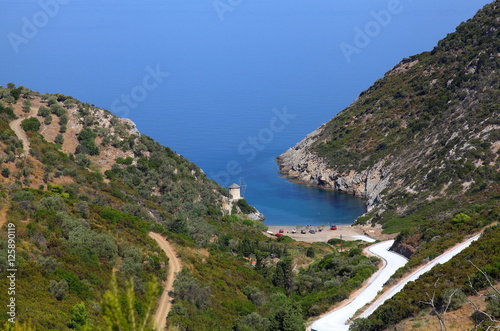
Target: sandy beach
(345, 232)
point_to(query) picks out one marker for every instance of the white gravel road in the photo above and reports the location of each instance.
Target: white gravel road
(337, 319)
(445, 257)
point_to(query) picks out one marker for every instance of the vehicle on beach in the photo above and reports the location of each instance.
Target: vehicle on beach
(312, 231)
(303, 231)
(279, 234)
(270, 232)
(294, 231)
(333, 227)
(282, 231)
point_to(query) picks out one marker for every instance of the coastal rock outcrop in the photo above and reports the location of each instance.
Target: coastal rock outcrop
(299, 164)
(256, 216)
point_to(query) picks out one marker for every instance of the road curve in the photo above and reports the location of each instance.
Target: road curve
(443, 258)
(174, 266)
(337, 319)
(15, 125)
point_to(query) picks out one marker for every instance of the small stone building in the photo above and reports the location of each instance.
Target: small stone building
(235, 192)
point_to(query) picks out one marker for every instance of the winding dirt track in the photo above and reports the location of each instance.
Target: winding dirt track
(174, 266)
(164, 303)
(15, 125)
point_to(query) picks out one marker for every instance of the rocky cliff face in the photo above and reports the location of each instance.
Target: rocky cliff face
(299, 163)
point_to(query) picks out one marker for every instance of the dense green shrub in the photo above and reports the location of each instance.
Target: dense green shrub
(87, 142)
(245, 207)
(6, 172)
(58, 288)
(43, 111)
(31, 124)
(190, 289)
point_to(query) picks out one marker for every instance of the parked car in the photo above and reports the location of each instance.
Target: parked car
(303, 231)
(333, 227)
(270, 232)
(294, 231)
(282, 231)
(312, 231)
(279, 234)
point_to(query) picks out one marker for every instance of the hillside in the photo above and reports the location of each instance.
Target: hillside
(426, 136)
(421, 145)
(81, 189)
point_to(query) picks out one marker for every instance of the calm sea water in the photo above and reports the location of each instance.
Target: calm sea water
(209, 78)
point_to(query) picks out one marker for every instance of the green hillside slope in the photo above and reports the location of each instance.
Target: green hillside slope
(80, 196)
(422, 146)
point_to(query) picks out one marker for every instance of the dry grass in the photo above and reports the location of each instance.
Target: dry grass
(458, 320)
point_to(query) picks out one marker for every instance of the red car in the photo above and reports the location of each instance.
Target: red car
(333, 227)
(282, 231)
(279, 234)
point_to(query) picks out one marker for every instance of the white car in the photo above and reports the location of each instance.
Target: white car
(270, 232)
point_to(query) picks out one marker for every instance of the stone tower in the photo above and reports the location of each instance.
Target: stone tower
(235, 192)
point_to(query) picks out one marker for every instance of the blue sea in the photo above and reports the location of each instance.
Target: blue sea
(229, 84)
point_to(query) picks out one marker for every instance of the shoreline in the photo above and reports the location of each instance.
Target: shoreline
(344, 232)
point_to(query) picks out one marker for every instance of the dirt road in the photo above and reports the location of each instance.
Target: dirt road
(174, 266)
(16, 127)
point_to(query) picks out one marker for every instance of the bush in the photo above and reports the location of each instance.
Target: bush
(63, 120)
(31, 124)
(54, 203)
(189, 289)
(87, 142)
(58, 289)
(455, 298)
(493, 305)
(48, 264)
(80, 318)
(126, 161)
(59, 139)
(6, 172)
(248, 223)
(23, 196)
(82, 208)
(47, 119)
(310, 252)
(43, 111)
(26, 106)
(245, 207)
(253, 321)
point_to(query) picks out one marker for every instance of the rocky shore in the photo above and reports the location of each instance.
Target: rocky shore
(299, 164)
